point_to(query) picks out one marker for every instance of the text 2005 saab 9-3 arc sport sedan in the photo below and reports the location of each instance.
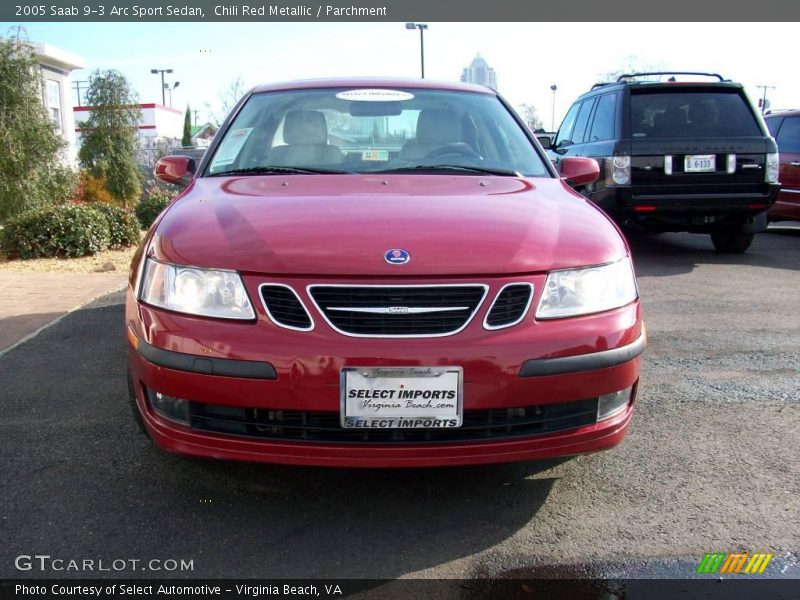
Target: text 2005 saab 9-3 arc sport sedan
(381, 273)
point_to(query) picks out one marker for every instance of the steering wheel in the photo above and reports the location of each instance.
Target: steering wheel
(459, 149)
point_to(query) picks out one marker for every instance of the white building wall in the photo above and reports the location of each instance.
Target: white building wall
(56, 65)
(156, 123)
(169, 122)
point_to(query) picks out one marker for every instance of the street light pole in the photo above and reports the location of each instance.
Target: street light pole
(764, 97)
(553, 87)
(77, 86)
(163, 84)
(422, 27)
(422, 51)
(169, 89)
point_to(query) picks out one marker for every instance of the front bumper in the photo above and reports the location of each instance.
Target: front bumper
(256, 365)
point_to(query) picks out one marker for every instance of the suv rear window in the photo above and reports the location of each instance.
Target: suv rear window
(789, 136)
(680, 114)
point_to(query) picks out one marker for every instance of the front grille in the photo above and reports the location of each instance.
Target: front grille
(309, 426)
(509, 306)
(395, 310)
(284, 307)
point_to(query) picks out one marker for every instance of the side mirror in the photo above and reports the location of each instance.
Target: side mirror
(546, 141)
(175, 169)
(578, 170)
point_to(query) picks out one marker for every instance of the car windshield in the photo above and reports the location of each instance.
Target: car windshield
(676, 114)
(358, 130)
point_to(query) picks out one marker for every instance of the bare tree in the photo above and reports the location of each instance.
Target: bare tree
(631, 64)
(531, 117)
(228, 97)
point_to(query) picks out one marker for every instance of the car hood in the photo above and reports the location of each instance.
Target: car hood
(344, 224)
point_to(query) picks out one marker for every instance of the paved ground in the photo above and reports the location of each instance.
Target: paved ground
(710, 463)
(29, 301)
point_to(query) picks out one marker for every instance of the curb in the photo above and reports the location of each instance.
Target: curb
(33, 334)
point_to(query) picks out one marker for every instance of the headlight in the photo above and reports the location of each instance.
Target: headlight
(773, 166)
(583, 291)
(203, 292)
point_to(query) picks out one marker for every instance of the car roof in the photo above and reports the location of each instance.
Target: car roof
(599, 88)
(363, 82)
(782, 112)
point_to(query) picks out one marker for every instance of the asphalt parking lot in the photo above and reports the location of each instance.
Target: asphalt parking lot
(710, 462)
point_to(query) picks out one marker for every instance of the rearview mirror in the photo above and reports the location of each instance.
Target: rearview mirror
(177, 170)
(375, 109)
(579, 170)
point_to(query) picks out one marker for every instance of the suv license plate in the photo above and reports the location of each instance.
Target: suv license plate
(700, 163)
(401, 397)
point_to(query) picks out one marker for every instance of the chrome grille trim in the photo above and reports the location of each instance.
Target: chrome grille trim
(395, 310)
(524, 311)
(483, 286)
(296, 295)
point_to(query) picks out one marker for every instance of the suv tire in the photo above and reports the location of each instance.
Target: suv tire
(732, 240)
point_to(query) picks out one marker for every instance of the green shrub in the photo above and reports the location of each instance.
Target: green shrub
(151, 205)
(67, 230)
(123, 226)
(92, 189)
(110, 140)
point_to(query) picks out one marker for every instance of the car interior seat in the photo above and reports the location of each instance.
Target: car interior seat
(436, 128)
(306, 135)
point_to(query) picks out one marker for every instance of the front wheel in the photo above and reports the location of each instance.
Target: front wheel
(732, 240)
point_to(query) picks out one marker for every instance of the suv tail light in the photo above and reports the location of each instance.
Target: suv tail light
(773, 166)
(618, 170)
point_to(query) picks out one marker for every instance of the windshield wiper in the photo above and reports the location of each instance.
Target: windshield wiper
(463, 168)
(267, 170)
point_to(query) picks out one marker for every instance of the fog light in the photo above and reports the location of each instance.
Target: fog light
(613, 403)
(169, 407)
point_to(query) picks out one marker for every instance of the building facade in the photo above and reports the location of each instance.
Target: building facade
(160, 130)
(57, 65)
(157, 123)
(479, 72)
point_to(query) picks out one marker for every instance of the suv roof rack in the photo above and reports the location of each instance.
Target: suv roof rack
(601, 84)
(627, 76)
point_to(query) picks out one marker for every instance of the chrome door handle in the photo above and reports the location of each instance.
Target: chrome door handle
(795, 163)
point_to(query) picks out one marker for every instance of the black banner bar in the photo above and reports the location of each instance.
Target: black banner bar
(463, 589)
(397, 10)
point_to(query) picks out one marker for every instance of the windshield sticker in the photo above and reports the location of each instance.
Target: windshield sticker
(375, 95)
(375, 155)
(231, 147)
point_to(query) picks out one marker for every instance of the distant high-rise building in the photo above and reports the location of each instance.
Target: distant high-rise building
(479, 72)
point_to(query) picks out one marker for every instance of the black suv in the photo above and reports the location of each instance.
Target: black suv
(675, 155)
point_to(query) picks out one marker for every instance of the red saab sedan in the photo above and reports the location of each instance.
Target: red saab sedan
(381, 273)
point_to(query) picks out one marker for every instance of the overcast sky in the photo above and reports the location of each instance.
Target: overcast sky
(528, 57)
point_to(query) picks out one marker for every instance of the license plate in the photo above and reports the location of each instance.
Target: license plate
(401, 397)
(700, 163)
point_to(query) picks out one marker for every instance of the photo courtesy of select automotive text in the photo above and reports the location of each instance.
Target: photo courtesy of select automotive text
(383, 299)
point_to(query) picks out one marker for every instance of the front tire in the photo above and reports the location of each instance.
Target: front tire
(732, 240)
